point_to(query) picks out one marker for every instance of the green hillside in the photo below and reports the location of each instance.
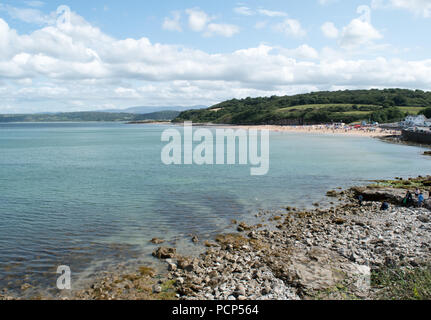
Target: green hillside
(318, 107)
(88, 116)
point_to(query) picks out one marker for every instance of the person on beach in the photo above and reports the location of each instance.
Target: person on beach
(361, 199)
(385, 206)
(417, 193)
(420, 200)
(408, 200)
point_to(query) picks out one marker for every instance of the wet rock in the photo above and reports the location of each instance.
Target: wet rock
(26, 286)
(332, 194)
(157, 241)
(172, 267)
(243, 227)
(165, 253)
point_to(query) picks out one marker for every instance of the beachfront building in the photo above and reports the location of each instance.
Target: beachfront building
(416, 121)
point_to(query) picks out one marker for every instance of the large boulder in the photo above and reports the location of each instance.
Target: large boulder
(165, 253)
(391, 195)
(319, 269)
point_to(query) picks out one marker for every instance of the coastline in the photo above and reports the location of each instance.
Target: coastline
(311, 129)
(291, 254)
(316, 254)
(187, 277)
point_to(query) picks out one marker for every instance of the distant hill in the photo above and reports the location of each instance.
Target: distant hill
(89, 116)
(158, 116)
(347, 106)
(147, 110)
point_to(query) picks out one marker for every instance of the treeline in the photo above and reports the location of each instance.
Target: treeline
(88, 116)
(348, 106)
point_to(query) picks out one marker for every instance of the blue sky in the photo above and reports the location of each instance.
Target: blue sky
(105, 54)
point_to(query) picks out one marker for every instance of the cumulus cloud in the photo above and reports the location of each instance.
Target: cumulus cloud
(303, 52)
(271, 13)
(173, 23)
(77, 66)
(225, 30)
(329, 30)
(245, 11)
(419, 7)
(360, 31)
(291, 28)
(28, 15)
(198, 19)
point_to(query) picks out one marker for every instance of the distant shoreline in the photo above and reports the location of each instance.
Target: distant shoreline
(311, 129)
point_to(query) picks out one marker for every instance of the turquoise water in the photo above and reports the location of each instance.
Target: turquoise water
(79, 193)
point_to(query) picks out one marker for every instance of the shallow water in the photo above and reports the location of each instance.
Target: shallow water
(78, 194)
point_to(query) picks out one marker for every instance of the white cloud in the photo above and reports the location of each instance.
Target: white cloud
(225, 30)
(326, 2)
(329, 30)
(174, 23)
(36, 4)
(28, 15)
(302, 52)
(291, 28)
(245, 11)
(80, 67)
(271, 13)
(419, 7)
(198, 19)
(360, 31)
(260, 25)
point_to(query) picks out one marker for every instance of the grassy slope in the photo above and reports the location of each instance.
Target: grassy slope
(317, 107)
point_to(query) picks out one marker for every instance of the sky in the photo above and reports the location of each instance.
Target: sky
(93, 55)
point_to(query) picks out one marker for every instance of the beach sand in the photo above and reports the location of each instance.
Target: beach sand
(326, 130)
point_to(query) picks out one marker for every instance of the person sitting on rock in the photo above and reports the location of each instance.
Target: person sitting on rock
(408, 200)
(360, 199)
(385, 206)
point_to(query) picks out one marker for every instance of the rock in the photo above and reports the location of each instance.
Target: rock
(424, 219)
(243, 227)
(240, 291)
(195, 239)
(210, 244)
(339, 221)
(332, 194)
(179, 281)
(157, 289)
(391, 195)
(172, 267)
(25, 286)
(165, 253)
(266, 290)
(157, 241)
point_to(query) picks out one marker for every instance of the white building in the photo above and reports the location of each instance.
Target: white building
(416, 121)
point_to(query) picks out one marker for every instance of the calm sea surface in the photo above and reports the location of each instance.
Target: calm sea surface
(90, 195)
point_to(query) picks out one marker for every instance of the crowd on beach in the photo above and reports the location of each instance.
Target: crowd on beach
(337, 129)
(408, 200)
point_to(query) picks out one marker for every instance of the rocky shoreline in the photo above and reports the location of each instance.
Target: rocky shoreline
(291, 254)
(320, 254)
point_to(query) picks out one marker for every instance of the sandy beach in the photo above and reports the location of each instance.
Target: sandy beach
(326, 129)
